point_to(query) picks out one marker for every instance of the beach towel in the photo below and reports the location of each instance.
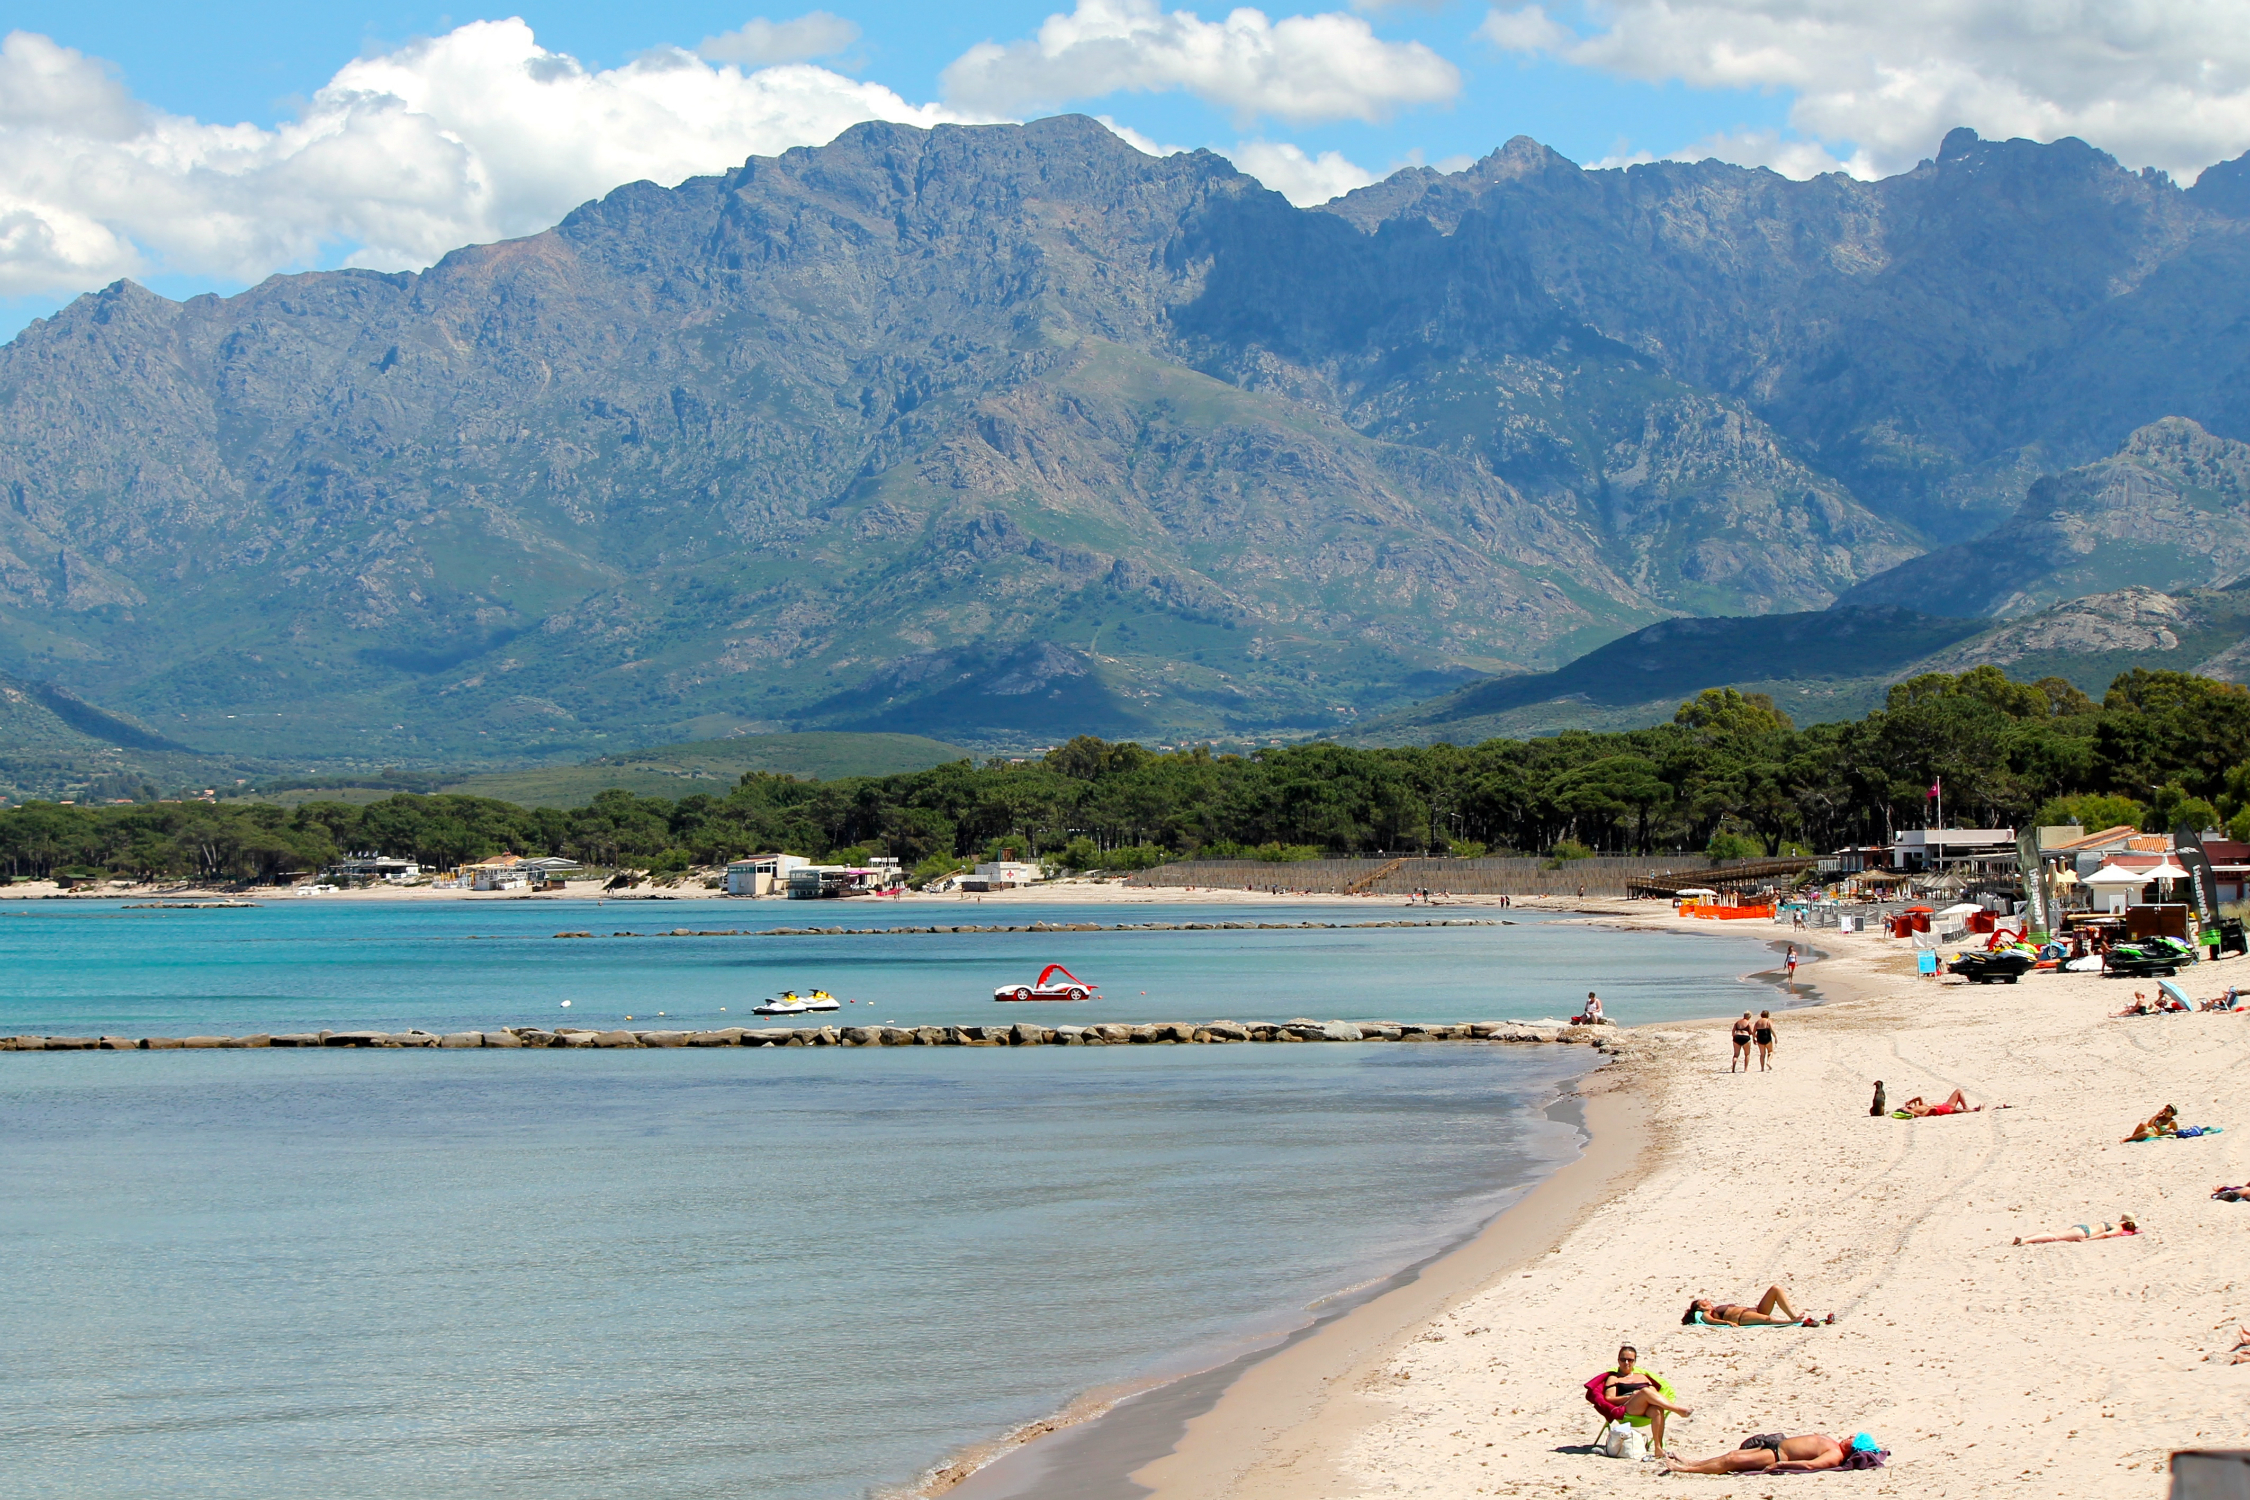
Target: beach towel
(2187, 1133)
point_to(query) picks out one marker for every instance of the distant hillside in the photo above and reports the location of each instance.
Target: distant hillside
(1835, 659)
(714, 766)
(1838, 664)
(2170, 509)
(2091, 640)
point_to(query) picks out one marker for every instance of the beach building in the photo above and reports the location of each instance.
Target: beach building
(1968, 851)
(385, 867)
(762, 874)
(513, 872)
(1000, 875)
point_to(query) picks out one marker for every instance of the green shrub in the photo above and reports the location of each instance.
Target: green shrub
(1079, 854)
(1728, 844)
(1570, 849)
(2092, 811)
(1135, 857)
(1464, 848)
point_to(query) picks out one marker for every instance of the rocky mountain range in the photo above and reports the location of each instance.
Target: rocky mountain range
(1000, 433)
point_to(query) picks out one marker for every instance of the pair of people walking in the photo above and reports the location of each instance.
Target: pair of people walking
(1748, 1032)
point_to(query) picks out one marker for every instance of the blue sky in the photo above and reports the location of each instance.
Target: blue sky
(114, 159)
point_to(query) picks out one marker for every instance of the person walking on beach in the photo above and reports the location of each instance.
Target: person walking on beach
(1742, 1030)
(1764, 1034)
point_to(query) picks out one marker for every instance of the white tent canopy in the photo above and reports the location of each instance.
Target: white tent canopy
(1696, 890)
(1962, 910)
(2118, 875)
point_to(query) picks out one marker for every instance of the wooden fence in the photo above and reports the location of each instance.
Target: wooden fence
(1383, 875)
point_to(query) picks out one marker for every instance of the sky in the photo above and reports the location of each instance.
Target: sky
(203, 148)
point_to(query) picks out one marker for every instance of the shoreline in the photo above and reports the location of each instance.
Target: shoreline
(1902, 1228)
(1183, 1435)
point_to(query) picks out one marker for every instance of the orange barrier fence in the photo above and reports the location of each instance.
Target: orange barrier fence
(1728, 913)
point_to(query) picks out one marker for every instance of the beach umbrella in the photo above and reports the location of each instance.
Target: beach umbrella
(2066, 877)
(2165, 871)
(1697, 890)
(1911, 909)
(2118, 875)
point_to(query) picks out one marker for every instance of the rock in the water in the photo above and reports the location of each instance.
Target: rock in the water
(462, 1039)
(725, 1036)
(503, 1038)
(615, 1039)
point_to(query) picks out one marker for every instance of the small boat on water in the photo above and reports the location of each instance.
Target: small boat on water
(1070, 987)
(790, 1003)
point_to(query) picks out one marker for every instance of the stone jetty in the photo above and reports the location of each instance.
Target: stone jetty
(1018, 1034)
(705, 932)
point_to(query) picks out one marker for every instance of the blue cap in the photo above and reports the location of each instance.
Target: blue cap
(1862, 1440)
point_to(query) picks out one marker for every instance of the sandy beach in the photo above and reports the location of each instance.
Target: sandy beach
(1986, 1368)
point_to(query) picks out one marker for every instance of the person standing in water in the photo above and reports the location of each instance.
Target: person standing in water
(1764, 1034)
(1789, 962)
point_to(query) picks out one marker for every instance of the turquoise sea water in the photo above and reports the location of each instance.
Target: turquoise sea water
(744, 1273)
(301, 963)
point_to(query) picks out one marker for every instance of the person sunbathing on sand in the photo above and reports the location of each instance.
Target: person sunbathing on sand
(1739, 1316)
(2123, 1227)
(2231, 1000)
(2241, 1350)
(1794, 1455)
(2165, 1121)
(1956, 1103)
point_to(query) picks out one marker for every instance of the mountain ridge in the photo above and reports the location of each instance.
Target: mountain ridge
(742, 449)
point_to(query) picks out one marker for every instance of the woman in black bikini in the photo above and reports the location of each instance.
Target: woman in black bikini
(1742, 1031)
(1638, 1395)
(1765, 1041)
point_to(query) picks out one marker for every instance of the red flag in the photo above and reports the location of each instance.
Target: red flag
(1936, 788)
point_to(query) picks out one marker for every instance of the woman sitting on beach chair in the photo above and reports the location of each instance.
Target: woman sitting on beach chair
(1628, 1394)
(1704, 1310)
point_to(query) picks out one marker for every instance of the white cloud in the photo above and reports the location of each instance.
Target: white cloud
(1530, 29)
(2162, 83)
(762, 43)
(1303, 180)
(474, 135)
(1788, 155)
(1146, 145)
(1329, 66)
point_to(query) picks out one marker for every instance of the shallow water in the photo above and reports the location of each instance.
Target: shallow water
(298, 964)
(745, 1273)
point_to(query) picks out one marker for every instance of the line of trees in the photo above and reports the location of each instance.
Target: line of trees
(1729, 776)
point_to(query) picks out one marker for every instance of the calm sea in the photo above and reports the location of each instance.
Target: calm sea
(758, 1273)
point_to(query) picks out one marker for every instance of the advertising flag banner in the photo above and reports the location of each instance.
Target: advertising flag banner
(2187, 846)
(2038, 890)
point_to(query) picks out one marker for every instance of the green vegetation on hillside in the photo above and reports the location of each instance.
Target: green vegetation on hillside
(1730, 772)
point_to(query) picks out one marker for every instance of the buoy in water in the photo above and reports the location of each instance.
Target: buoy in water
(566, 1005)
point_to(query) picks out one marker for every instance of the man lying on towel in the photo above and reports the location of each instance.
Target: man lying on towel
(1804, 1454)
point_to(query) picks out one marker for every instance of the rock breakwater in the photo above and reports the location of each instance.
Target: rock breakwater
(1020, 1034)
(679, 932)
